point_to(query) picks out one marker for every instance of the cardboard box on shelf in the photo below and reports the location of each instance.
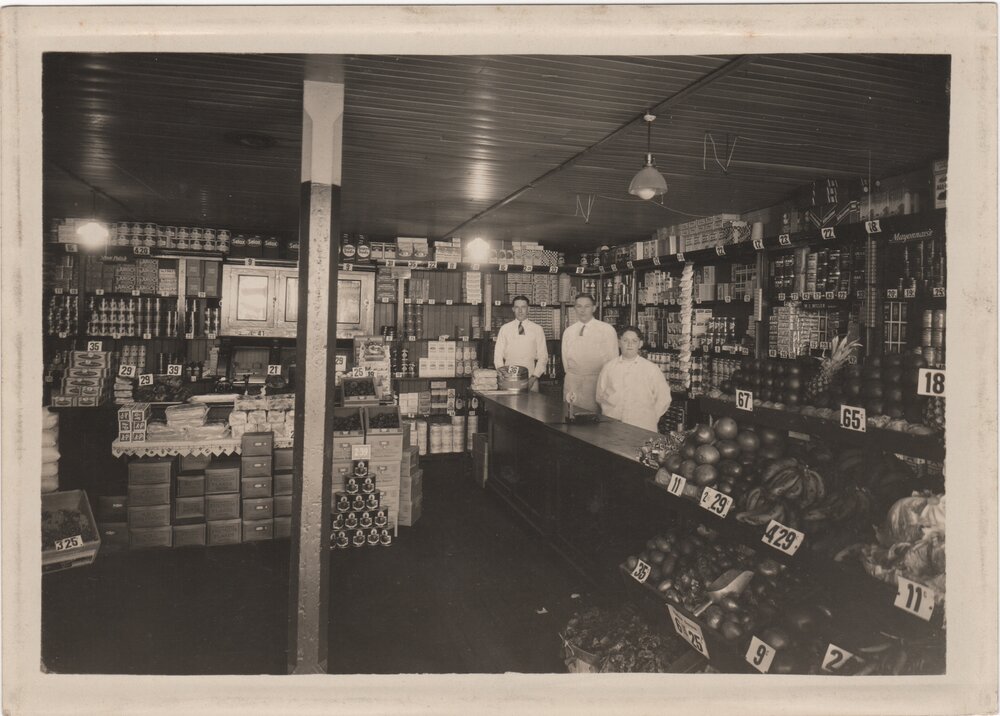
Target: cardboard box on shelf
(283, 483)
(147, 495)
(150, 537)
(151, 470)
(190, 535)
(191, 485)
(258, 508)
(151, 516)
(258, 530)
(224, 531)
(222, 507)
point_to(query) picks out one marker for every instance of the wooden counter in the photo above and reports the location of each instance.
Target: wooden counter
(579, 485)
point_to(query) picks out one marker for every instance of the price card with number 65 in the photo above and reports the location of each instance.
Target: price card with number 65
(853, 418)
(744, 400)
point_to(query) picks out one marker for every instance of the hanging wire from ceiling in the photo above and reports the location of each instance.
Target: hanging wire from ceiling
(704, 153)
(585, 213)
(658, 204)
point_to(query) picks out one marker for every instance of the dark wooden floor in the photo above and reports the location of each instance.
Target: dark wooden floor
(466, 590)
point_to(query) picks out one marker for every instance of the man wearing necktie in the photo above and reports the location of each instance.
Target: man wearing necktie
(587, 346)
(522, 342)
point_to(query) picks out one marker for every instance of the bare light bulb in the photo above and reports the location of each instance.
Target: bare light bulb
(478, 251)
(93, 234)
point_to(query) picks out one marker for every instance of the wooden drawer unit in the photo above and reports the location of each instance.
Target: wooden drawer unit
(222, 507)
(258, 530)
(220, 532)
(258, 509)
(256, 486)
(257, 466)
(151, 470)
(153, 516)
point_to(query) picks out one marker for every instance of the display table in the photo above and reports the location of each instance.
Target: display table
(167, 448)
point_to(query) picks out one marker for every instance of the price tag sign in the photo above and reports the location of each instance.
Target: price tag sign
(784, 240)
(795, 297)
(909, 293)
(629, 265)
(688, 630)
(465, 339)
(760, 655)
(384, 299)
(842, 295)
(72, 248)
(728, 299)
(127, 371)
(189, 335)
(718, 349)
(720, 250)
(892, 293)
(836, 659)
(475, 267)
(914, 598)
(408, 301)
(852, 418)
(758, 244)
(62, 334)
(553, 269)
(680, 256)
(747, 298)
(201, 294)
(529, 268)
(140, 250)
(656, 261)
(348, 267)
(641, 572)
(496, 303)
(412, 264)
(829, 295)
(174, 369)
(149, 336)
(544, 304)
(397, 374)
(431, 301)
(135, 292)
(69, 543)
(718, 503)
(273, 369)
(676, 484)
(94, 346)
(783, 354)
(781, 296)
(579, 270)
(938, 292)
(503, 267)
(824, 345)
(873, 227)
(448, 302)
(432, 264)
(784, 539)
(390, 262)
(772, 353)
(828, 233)
(930, 381)
(744, 400)
(58, 291)
(419, 301)
(859, 294)
(145, 380)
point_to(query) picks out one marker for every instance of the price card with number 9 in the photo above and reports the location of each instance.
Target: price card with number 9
(760, 655)
(744, 400)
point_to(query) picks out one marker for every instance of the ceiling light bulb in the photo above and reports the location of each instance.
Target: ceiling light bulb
(648, 182)
(477, 251)
(93, 234)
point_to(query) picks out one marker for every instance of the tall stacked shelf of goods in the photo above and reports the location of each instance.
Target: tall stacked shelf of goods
(815, 388)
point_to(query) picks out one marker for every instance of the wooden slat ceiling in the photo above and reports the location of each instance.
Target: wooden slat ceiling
(429, 141)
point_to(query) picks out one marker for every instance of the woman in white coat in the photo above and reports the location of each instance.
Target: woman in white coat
(631, 388)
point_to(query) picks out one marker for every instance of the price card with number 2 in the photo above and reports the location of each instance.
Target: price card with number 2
(836, 659)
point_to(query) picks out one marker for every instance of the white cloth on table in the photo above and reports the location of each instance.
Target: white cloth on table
(527, 350)
(586, 348)
(633, 391)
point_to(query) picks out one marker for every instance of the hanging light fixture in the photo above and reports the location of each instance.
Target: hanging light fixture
(648, 182)
(93, 234)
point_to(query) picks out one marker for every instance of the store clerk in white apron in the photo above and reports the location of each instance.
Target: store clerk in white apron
(631, 388)
(586, 346)
(522, 342)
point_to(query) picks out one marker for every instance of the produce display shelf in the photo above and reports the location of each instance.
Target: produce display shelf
(871, 597)
(890, 229)
(926, 447)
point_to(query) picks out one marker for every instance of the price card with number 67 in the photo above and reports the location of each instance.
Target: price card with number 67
(760, 655)
(689, 631)
(744, 400)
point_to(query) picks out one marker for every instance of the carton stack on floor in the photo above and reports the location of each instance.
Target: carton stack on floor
(411, 494)
(202, 500)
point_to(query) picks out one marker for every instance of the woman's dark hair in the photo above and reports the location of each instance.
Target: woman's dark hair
(633, 329)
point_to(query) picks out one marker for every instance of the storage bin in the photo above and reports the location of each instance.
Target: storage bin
(70, 550)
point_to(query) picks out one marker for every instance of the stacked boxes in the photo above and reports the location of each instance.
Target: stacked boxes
(150, 496)
(282, 485)
(410, 488)
(222, 501)
(449, 250)
(411, 248)
(472, 287)
(384, 435)
(440, 360)
(86, 381)
(189, 527)
(256, 486)
(133, 419)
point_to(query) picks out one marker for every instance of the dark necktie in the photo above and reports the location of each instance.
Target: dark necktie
(582, 327)
(520, 328)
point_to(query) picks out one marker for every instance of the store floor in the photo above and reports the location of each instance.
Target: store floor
(468, 589)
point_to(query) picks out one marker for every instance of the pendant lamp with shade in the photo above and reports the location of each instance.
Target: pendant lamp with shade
(648, 182)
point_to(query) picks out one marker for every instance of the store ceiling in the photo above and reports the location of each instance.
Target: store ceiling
(430, 142)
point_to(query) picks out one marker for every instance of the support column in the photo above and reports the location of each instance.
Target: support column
(319, 227)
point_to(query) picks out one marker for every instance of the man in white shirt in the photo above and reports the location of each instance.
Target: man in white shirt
(522, 342)
(586, 346)
(631, 388)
